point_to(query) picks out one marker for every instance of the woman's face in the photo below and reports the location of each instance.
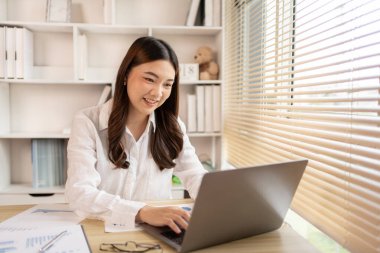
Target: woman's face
(149, 85)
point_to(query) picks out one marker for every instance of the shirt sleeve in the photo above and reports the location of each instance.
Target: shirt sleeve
(188, 167)
(83, 179)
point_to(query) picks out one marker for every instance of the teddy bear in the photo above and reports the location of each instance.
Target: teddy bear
(208, 68)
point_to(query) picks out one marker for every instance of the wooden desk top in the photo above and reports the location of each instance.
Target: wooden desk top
(283, 240)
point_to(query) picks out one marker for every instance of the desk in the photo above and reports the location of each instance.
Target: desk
(282, 240)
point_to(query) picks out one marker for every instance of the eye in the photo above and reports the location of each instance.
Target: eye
(149, 79)
(168, 85)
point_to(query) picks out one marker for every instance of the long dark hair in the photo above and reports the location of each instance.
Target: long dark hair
(167, 139)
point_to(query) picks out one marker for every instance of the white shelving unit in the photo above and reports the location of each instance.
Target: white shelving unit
(43, 105)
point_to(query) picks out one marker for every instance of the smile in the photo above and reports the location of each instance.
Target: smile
(151, 101)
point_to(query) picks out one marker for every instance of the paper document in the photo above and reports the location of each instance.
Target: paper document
(41, 216)
(30, 241)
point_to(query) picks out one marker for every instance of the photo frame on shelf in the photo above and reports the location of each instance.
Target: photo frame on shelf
(58, 11)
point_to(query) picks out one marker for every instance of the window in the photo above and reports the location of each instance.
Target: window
(303, 81)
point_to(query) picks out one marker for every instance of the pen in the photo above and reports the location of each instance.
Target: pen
(51, 242)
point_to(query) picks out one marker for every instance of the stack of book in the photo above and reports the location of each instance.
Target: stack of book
(48, 162)
(16, 52)
(204, 109)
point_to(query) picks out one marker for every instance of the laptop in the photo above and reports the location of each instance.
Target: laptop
(234, 204)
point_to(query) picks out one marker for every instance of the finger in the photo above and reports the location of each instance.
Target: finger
(181, 222)
(186, 216)
(174, 226)
(182, 212)
(182, 217)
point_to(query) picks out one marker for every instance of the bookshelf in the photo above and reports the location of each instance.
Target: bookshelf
(29, 107)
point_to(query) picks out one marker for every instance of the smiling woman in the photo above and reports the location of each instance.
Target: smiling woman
(125, 151)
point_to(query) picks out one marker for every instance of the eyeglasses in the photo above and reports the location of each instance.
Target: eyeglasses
(130, 247)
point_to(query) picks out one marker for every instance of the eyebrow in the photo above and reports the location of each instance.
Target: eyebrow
(155, 75)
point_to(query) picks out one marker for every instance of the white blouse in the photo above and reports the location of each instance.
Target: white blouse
(96, 189)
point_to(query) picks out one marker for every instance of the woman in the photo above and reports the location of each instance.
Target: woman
(125, 151)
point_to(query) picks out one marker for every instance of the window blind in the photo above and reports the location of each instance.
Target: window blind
(302, 80)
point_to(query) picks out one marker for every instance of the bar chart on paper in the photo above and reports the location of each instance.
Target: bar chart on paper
(7, 246)
(53, 226)
(42, 241)
(73, 241)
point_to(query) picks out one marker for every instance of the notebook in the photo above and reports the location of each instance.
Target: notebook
(234, 204)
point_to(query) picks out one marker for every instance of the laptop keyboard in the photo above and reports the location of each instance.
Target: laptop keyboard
(173, 236)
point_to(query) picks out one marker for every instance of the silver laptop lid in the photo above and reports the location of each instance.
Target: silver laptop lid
(239, 203)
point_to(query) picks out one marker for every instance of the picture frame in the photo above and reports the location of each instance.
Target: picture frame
(58, 11)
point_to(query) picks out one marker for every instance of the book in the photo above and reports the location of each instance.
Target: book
(4, 9)
(24, 53)
(217, 13)
(216, 90)
(200, 17)
(48, 160)
(191, 113)
(200, 94)
(209, 126)
(10, 54)
(2, 52)
(208, 13)
(105, 94)
(109, 12)
(193, 10)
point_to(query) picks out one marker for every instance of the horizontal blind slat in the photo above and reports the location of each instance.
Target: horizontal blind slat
(302, 80)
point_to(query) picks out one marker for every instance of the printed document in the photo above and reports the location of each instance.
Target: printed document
(41, 216)
(30, 241)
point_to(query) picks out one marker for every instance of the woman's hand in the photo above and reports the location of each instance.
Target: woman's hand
(172, 216)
